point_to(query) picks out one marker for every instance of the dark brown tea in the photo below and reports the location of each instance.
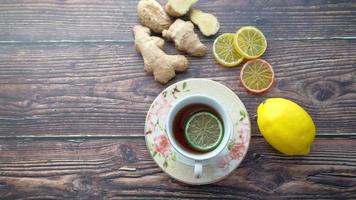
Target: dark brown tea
(182, 117)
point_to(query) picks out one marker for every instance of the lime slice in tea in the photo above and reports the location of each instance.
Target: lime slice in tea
(203, 131)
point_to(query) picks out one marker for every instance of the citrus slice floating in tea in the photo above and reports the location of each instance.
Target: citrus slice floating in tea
(250, 42)
(203, 131)
(257, 76)
(224, 51)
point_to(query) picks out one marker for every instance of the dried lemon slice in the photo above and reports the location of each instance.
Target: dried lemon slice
(250, 42)
(224, 51)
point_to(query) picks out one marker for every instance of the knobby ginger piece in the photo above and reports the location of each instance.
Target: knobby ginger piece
(156, 61)
(178, 8)
(153, 16)
(208, 24)
(182, 33)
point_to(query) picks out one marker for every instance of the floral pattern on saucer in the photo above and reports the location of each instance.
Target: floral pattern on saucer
(162, 149)
(160, 145)
(236, 147)
(164, 154)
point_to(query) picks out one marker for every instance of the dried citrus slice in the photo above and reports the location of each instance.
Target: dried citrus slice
(224, 51)
(257, 75)
(250, 42)
(203, 131)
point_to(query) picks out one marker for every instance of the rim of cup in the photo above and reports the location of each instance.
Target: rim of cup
(211, 102)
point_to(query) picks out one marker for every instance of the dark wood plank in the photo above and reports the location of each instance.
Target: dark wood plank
(100, 89)
(90, 169)
(109, 20)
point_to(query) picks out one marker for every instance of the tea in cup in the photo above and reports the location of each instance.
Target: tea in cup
(198, 128)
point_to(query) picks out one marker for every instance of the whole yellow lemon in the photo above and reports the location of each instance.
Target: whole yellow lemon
(286, 126)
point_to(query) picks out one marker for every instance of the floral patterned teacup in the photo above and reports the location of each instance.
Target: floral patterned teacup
(190, 158)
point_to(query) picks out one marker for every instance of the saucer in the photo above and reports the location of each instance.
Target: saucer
(165, 155)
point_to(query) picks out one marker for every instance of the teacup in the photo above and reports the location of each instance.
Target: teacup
(199, 159)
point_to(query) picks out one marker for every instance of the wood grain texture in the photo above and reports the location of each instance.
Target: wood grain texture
(111, 20)
(90, 169)
(101, 89)
(74, 95)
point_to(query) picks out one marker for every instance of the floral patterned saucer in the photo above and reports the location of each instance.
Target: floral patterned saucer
(165, 155)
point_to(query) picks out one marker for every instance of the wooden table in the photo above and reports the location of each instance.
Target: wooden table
(74, 95)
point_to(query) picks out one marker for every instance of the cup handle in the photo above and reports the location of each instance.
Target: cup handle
(198, 169)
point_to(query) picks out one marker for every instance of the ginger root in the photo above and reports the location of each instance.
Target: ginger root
(182, 33)
(178, 8)
(153, 16)
(208, 24)
(156, 61)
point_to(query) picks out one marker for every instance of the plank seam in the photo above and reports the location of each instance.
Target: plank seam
(126, 41)
(325, 135)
